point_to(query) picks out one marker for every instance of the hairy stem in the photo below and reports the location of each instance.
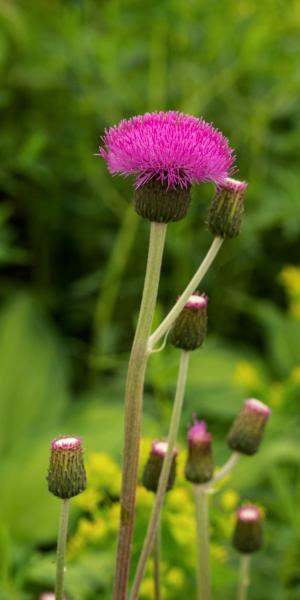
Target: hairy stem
(244, 577)
(133, 408)
(225, 470)
(202, 523)
(61, 549)
(164, 476)
(177, 308)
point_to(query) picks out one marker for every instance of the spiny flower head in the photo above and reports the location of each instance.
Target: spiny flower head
(247, 430)
(248, 534)
(66, 474)
(198, 433)
(153, 466)
(172, 147)
(189, 329)
(199, 465)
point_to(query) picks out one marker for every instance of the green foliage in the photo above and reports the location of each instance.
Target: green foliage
(72, 253)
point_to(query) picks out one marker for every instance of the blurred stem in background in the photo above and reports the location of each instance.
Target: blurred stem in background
(164, 477)
(61, 549)
(156, 562)
(111, 283)
(244, 577)
(203, 545)
(133, 407)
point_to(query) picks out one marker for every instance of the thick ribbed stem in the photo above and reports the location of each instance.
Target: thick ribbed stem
(61, 549)
(156, 562)
(133, 408)
(244, 577)
(164, 476)
(177, 308)
(202, 522)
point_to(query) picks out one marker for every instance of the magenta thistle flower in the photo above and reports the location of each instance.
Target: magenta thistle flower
(171, 147)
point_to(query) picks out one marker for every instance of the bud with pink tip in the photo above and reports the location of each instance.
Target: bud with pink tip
(248, 428)
(227, 208)
(189, 329)
(248, 535)
(48, 596)
(199, 465)
(154, 465)
(66, 475)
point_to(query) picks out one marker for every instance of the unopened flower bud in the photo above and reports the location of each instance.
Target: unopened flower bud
(227, 208)
(158, 202)
(248, 535)
(154, 465)
(66, 475)
(248, 428)
(199, 465)
(189, 329)
(48, 596)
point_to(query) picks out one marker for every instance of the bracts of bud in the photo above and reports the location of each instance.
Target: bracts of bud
(200, 464)
(227, 208)
(153, 467)
(158, 202)
(66, 474)
(247, 431)
(190, 327)
(248, 534)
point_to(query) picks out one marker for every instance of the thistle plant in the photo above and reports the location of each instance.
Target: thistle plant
(166, 153)
(247, 539)
(66, 479)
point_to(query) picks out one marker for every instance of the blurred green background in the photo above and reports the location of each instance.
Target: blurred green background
(72, 254)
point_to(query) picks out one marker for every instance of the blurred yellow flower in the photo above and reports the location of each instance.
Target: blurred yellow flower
(289, 277)
(144, 497)
(295, 375)
(219, 554)
(229, 499)
(246, 375)
(147, 587)
(89, 499)
(175, 578)
(276, 394)
(103, 472)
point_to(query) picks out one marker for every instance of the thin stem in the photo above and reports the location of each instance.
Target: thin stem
(61, 549)
(202, 524)
(156, 562)
(164, 476)
(225, 470)
(133, 408)
(244, 576)
(177, 308)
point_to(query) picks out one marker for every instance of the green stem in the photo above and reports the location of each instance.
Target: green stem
(133, 408)
(202, 523)
(164, 477)
(225, 470)
(244, 576)
(177, 308)
(156, 562)
(61, 549)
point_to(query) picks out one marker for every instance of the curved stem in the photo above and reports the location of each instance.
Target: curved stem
(156, 562)
(133, 408)
(244, 577)
(225, 470)
(164, 476)
(61, 549)
(202, 523)
(177, 308)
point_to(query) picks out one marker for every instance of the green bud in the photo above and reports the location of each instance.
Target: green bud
(247, 431)
(154, 465)
(227, 209)
(248, 534)
(189, 329)
(66, 475)
(199, 466)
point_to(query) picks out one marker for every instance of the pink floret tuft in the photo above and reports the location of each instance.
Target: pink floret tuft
(175, 148)
(254, 405)
(198, 433)
(66, 442)
(249, 513)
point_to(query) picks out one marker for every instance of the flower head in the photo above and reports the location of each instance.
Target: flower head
(199, 465)
(227, 208)
(171, 147)
(49, 596)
